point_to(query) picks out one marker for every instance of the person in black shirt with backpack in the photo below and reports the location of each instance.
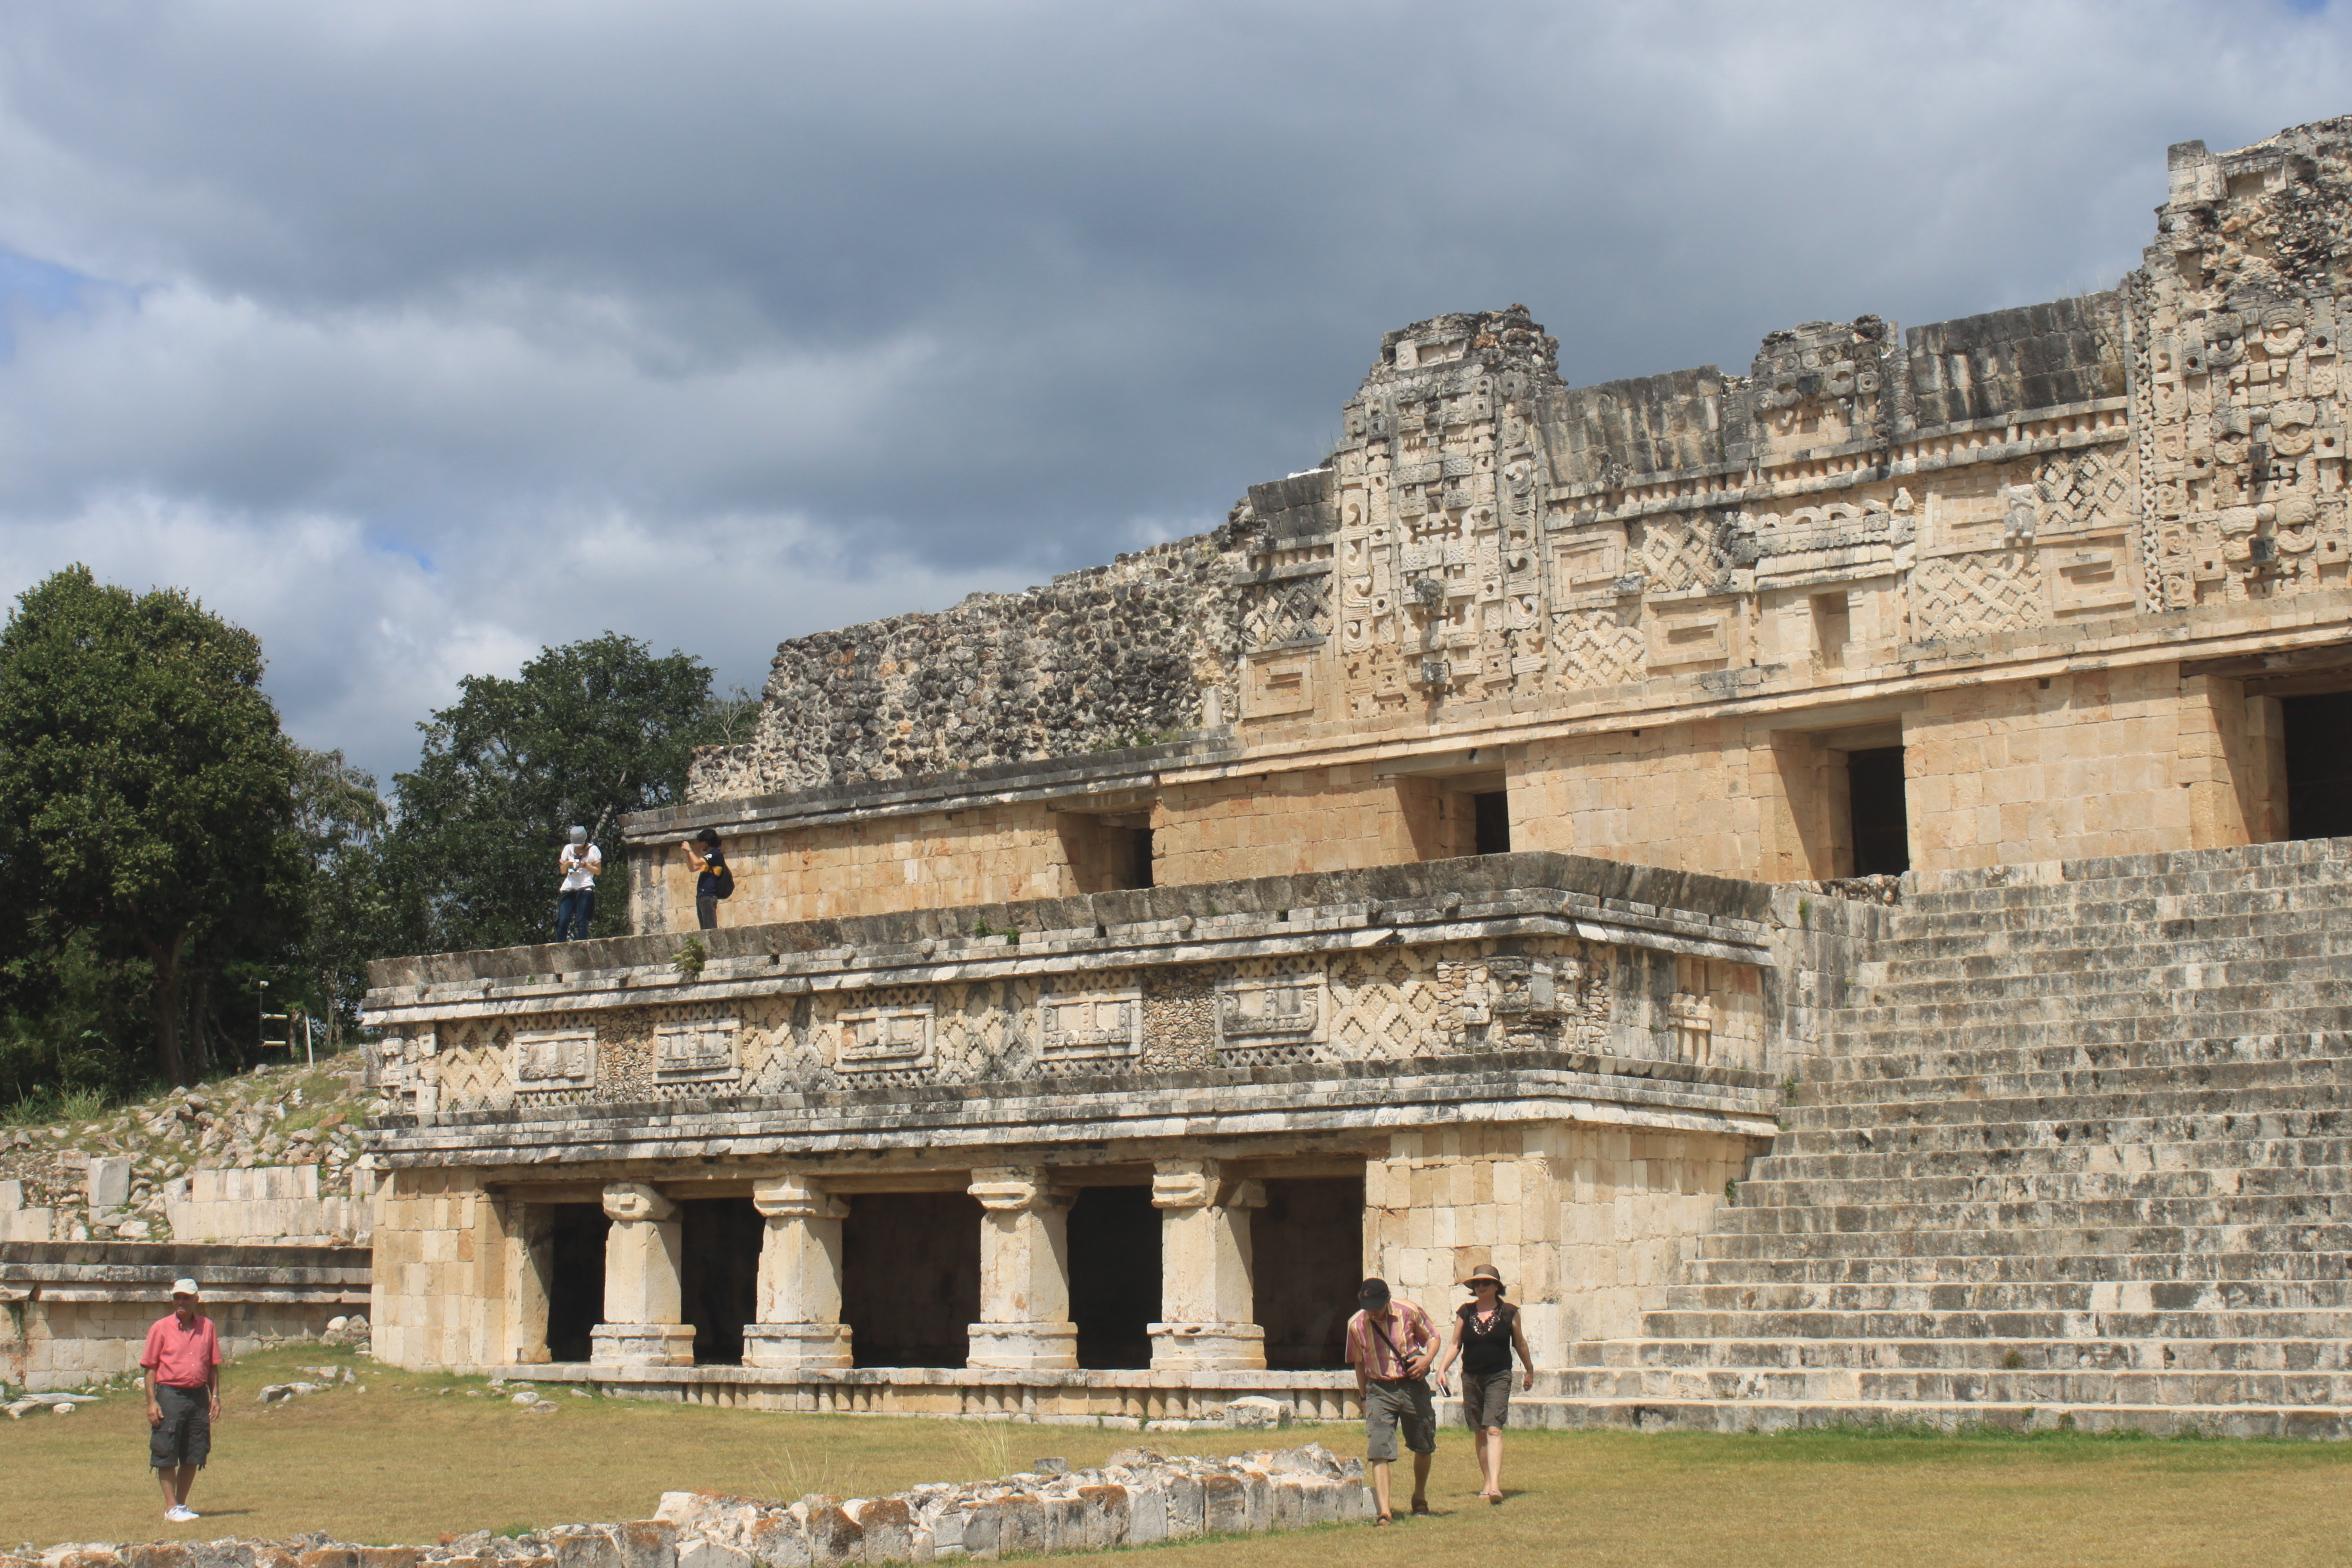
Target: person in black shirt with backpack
(712, 880)
(1486, 1331)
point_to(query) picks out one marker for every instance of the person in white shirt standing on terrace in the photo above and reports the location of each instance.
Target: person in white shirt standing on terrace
(577, 863)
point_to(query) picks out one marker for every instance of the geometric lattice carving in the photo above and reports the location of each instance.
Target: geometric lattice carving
(1677, 553)
(1957, 596)
(1387, 1008)
(1596, 648)
(1279, 613)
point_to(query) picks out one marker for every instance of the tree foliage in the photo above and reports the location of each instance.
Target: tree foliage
(148, 841)
(581, 735)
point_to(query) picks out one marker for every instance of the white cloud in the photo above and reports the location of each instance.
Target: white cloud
(743, 321)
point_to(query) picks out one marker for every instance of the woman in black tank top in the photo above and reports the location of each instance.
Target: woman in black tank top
(1486, 1333)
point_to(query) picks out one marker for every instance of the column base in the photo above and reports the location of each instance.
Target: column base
(641, 1345)
(1223, 1347)
(796, 1345)
(1024, 1346)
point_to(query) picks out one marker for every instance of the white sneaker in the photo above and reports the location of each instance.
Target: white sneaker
(181, 1513)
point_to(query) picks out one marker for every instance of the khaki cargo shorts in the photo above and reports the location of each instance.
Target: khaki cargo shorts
(1386, 1405)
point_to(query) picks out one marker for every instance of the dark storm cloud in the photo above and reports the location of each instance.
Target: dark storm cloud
(750, 319)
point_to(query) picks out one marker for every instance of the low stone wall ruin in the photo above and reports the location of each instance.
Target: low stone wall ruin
(1139, 1498)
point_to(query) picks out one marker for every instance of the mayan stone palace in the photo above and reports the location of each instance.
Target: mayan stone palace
(1827, 876)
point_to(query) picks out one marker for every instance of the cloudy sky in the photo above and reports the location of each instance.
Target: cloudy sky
(417, 336)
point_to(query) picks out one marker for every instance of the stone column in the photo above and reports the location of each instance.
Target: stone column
(1024, 1272)
(799, 1322)
(641, 1326)
(528, 1254)
(1205, 1282)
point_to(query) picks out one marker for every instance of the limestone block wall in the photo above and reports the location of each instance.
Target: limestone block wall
(441, 1251)
(1285, 824)
(1582, 1220)
(2071, 767)
(876, 866)
(268, 1203)
(1679, 796)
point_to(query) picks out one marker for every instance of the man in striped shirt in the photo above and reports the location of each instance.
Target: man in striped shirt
(1391, 1343)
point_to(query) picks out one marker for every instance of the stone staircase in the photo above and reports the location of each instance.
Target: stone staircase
(2084, 1159)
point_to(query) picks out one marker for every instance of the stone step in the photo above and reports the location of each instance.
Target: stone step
(2311, 1002)
(2035, 1215)
(2189, 871)
(2081, 1267)
(2280, 895)
(2181, 978)
(2002, 1033)
(2068, 1186)
(2265, 1121)
(2073, 1386)
(1966, 1352)
(2094, 1296)
(2307, 934)
(1931, 1068)
(2146, 1092)
(1884, 1163)
(1761, 1415)
(2321, 1325)
(2062, 1241)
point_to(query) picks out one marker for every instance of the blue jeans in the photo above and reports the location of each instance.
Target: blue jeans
(572, 909)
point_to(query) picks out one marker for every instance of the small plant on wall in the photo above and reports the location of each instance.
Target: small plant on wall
(690, 958)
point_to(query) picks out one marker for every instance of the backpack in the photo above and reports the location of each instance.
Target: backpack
(726, 876)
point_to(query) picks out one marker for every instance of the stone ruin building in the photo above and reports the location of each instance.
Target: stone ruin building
(1827, 876)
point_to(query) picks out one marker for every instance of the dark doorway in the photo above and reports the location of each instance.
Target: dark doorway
(1308, 1248)
(2319, 765)
(718, 1274)
(1882, 826)
(1494, 822)
(1114, 1275)
(910, 1278)
(575, 1277)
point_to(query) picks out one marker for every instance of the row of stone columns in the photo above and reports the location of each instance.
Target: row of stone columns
(1205, 1274)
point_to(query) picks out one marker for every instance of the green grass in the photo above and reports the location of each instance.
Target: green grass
(417, 1457)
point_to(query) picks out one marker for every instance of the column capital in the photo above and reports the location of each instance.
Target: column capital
(1016, 1189)
(635, 1200)
(793, 1197)
(1202, 1184)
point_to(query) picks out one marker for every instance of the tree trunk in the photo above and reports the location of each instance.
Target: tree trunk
(167, 1010)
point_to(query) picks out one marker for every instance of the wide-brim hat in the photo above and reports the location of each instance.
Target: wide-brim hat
(1485, 1271)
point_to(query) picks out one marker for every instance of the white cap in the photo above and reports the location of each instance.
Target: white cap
(185, 1287)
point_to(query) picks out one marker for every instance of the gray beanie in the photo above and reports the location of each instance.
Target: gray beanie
(579, 835)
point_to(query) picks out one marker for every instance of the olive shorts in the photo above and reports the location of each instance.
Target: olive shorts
(184, 1435)
(1486, 1398)
(1386, 1405)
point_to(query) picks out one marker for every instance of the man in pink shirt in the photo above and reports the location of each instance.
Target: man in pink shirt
(182, 1359)
(1391, 1343)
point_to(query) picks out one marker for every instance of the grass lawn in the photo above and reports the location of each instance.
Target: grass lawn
(414, 1457)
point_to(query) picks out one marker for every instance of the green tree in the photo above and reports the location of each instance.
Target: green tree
(349, 907)
(147, 835)
(581, 735)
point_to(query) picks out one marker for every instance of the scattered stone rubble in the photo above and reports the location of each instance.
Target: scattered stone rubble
(1139, 1498)
(114, 1178)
